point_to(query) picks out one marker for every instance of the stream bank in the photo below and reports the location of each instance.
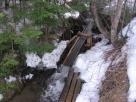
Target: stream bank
(33, 89)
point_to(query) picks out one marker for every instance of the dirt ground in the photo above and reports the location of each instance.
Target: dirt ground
(115, 86)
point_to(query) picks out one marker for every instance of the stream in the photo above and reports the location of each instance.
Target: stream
(45, 87)
(34, 88)
(55, 87)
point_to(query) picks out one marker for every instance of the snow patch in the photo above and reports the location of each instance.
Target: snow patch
(48, 60)
(60, 2)
(1, 97)
(130, 31)
(29, 76)
(113, 5)
(92, 68)
(87, 5)
(68, 0)
(73, 14)
(32, 60)
(54, 89)
(63, 1)
(10, 79)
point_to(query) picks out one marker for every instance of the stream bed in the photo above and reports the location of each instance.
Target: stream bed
(46, 86)
(33, 89)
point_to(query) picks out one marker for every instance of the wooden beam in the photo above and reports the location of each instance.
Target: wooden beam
(67, 86)
(77, 90)
(72, 88)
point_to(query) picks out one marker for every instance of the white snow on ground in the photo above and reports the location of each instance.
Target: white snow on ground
(49, 60)
(29, 76)
(130, 31)
(92, 68)
(129, 3)
(32, 60)
(67, 15)
(1, 97)
(87, 5)
(10, 79)
(113, 5)
(73, 14)
(68, 0)
(55, 87)
(62, 2)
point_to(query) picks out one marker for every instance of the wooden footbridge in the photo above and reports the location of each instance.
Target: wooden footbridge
(73, 83)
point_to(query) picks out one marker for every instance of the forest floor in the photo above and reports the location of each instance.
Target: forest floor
(115, 86)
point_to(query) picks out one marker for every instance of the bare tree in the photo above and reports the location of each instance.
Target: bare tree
(112, 34)
(115, 19)
(98, 22)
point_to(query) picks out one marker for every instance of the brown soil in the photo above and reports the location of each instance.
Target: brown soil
(115, 86)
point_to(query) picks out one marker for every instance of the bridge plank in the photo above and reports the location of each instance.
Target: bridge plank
(68, 55)
(73, 84)
(77, 90)
(74, 51)
(67, 86)
(72, 88)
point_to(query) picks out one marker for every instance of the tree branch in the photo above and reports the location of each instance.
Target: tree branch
(98, 22)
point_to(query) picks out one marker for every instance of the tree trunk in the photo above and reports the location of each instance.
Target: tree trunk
(6, 4)
(115, 22)
(98, 22)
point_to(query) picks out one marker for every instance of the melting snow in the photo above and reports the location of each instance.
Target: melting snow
(32, 60)
(63, 1)
(129, 3)
(1, 97)
(29, 76)
(49, 60)
(113, 5)
(73, 14)
(10, 79)
(92, 67)
(68, 0)
(130, 31)
(87, 5)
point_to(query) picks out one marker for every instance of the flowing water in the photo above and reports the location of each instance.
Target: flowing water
(33, 89)
(55, 87)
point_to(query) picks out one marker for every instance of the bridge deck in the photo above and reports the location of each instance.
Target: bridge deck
(73, 83)
(71, 88)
